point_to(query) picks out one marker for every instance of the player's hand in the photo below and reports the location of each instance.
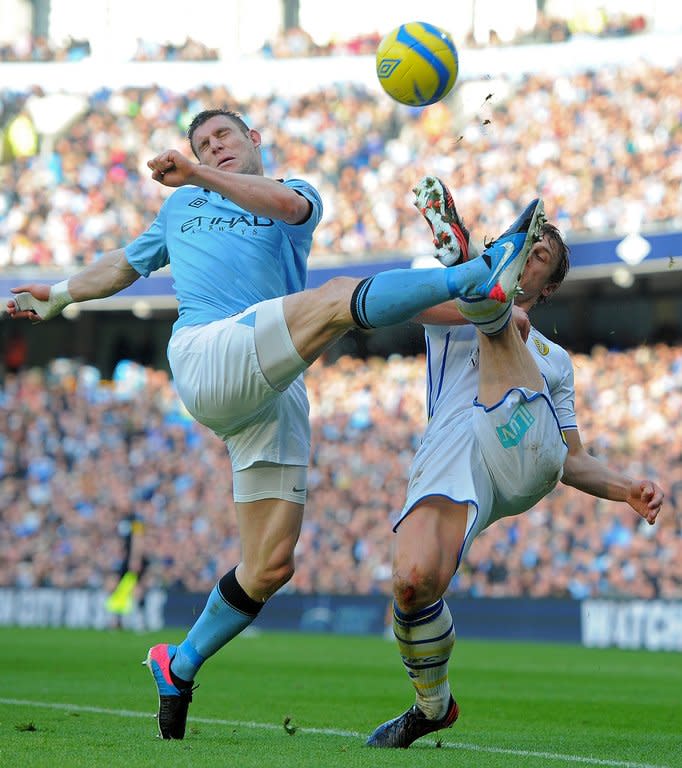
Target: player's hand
(172, 169)
(646, 499)
(23, 305)
(520, 318)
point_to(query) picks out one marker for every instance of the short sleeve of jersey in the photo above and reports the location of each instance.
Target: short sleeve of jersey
(304, 229)
(148, 252)
(563, 394)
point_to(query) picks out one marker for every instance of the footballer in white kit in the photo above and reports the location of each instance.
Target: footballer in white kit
(501, 433)
(500, 460)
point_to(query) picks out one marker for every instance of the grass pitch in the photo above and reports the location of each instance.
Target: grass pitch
(81, 698)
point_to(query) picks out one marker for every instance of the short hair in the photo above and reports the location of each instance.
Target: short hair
(207, 114)
(561, 270)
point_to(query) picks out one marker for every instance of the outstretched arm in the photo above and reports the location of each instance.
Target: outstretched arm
(105, 277)
(590, 475)
(448, 314)
(257, 194)
(441, 314)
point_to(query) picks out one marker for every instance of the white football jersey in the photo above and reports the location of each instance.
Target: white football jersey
(452, 373)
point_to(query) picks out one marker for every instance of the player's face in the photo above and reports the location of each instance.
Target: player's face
(220, 143)
(535, 280)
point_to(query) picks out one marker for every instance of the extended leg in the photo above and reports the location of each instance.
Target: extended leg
(318, 317)
(451, 241)
(505, 362)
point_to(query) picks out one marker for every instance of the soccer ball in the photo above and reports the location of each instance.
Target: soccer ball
(417, 63)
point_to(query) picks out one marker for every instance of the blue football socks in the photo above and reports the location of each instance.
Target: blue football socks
(397, 295)
(228, 611)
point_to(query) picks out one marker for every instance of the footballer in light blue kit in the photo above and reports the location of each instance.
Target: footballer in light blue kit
(227, 264)
(223, 258)
(237, 244)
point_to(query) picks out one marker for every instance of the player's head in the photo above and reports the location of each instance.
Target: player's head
(221, 139)
(546, 268)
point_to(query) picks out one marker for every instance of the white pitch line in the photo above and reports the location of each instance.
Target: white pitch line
(334, 732)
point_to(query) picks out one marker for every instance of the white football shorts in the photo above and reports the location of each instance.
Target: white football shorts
(241, 378)
(500, 460)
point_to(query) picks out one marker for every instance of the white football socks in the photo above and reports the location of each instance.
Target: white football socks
(425, 640)
(488, 315)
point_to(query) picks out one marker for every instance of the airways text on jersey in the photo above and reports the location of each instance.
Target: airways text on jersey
(223, 223)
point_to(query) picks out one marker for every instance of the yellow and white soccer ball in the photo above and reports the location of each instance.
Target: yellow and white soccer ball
(417, 63)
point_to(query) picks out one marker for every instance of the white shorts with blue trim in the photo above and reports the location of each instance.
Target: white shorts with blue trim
(500, 460)
(252, 396)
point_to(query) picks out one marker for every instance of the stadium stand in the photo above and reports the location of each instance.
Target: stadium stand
(78, 455)
(604, 151)
(296, 42)
(603, 163)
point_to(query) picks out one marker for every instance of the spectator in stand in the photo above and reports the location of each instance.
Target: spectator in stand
(294, 43)
(41, 49)
(189, 50)
(16, 352)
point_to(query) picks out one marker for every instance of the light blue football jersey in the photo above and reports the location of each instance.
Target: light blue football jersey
(224, 259)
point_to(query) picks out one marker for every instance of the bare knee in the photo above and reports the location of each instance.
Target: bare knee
(336, 294)
(266, 579)
(414, 588)
(276, 577)
(318, 317)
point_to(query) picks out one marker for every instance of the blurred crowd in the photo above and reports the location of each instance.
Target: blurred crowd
(189, 50)
(80, 458)
(597, 22)
(604, 149)
(296, 42)
(39, 48)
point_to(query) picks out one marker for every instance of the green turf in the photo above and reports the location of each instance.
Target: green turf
(521, 705)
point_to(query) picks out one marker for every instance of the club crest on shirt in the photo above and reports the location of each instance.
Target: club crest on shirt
(541, 347)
